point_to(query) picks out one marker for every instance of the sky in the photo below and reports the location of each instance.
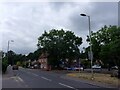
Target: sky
(24, 22)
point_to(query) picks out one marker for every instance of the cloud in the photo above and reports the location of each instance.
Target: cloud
(24, 22)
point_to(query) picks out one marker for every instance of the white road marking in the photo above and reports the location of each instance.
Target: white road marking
(66, 85)
(35, 75)
(28, 72)
(46, 78)
(16, 80)
(20, 79)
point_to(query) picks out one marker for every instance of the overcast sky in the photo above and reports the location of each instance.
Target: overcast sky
(24, 22)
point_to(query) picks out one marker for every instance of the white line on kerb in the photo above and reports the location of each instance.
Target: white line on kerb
(66, 85)
(46, 78)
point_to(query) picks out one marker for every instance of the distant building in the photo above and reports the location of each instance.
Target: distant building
(43, 60)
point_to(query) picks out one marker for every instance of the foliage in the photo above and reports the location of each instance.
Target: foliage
(18, 63)
(60, 44)
(4, 65)
(105, 45)
(13, 58)
(35, 55)
(85, 63)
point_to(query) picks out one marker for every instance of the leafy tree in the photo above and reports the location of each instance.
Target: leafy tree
(105, 44)
(4, 65)
(13, 58)
(37, 53)
(18, 63)
(60, 44)
(10, 56)
(30, 56)
(4, 61)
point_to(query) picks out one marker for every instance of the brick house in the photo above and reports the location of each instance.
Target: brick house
(43, 60)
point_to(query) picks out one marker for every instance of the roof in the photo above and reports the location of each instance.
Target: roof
(44, 55)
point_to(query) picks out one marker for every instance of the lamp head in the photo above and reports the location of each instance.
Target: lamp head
(83, 14)
(12, 40)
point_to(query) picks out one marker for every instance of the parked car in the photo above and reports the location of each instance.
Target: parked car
(36, 66)
(31, 67)
(75, 68)
(69, 68)
(114, 67)
(114, 71)
(15, 67)
(96, 67)
(78, 68)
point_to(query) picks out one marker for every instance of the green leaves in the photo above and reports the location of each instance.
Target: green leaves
(106, 43)
(4, 64)
(60, 44)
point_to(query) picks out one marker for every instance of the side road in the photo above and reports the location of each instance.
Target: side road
(9, 79)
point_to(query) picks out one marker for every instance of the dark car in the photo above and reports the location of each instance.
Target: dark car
(15, 67)
(114, 71)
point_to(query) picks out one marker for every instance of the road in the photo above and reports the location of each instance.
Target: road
(35, 78)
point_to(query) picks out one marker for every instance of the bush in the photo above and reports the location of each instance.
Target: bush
(4, 65)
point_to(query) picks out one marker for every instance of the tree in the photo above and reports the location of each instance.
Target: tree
(105, 44)
(60, 44)
(103, 41)
(4, 61)
(10, 56)
(30, 56)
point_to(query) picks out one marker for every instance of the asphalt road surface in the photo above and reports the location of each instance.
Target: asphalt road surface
(38, 79)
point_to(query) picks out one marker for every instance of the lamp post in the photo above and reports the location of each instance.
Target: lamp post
(91, 54)
(8, 47)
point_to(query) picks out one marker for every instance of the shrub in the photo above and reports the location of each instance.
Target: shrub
(4, 65)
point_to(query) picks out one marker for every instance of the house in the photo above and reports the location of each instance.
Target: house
(43, 60)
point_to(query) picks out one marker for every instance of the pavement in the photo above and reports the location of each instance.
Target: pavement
(38, 79)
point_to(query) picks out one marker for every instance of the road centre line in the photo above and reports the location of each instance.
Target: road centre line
(46, 78)
(67, 86)
(35, 74)
(32, 74)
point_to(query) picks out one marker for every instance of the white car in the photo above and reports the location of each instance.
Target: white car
(79, 68)
(96, 67)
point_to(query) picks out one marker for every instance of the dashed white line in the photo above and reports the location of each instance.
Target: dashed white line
(35, 75)
(66, 85)
(28, 72)
(46, 78)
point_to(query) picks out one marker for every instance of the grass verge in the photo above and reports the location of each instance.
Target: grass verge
(102, 78)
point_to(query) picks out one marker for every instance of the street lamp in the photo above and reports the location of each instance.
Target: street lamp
(91, 54)
(8, 47)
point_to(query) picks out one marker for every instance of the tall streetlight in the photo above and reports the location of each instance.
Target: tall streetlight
(8, 47)
(91, 54)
